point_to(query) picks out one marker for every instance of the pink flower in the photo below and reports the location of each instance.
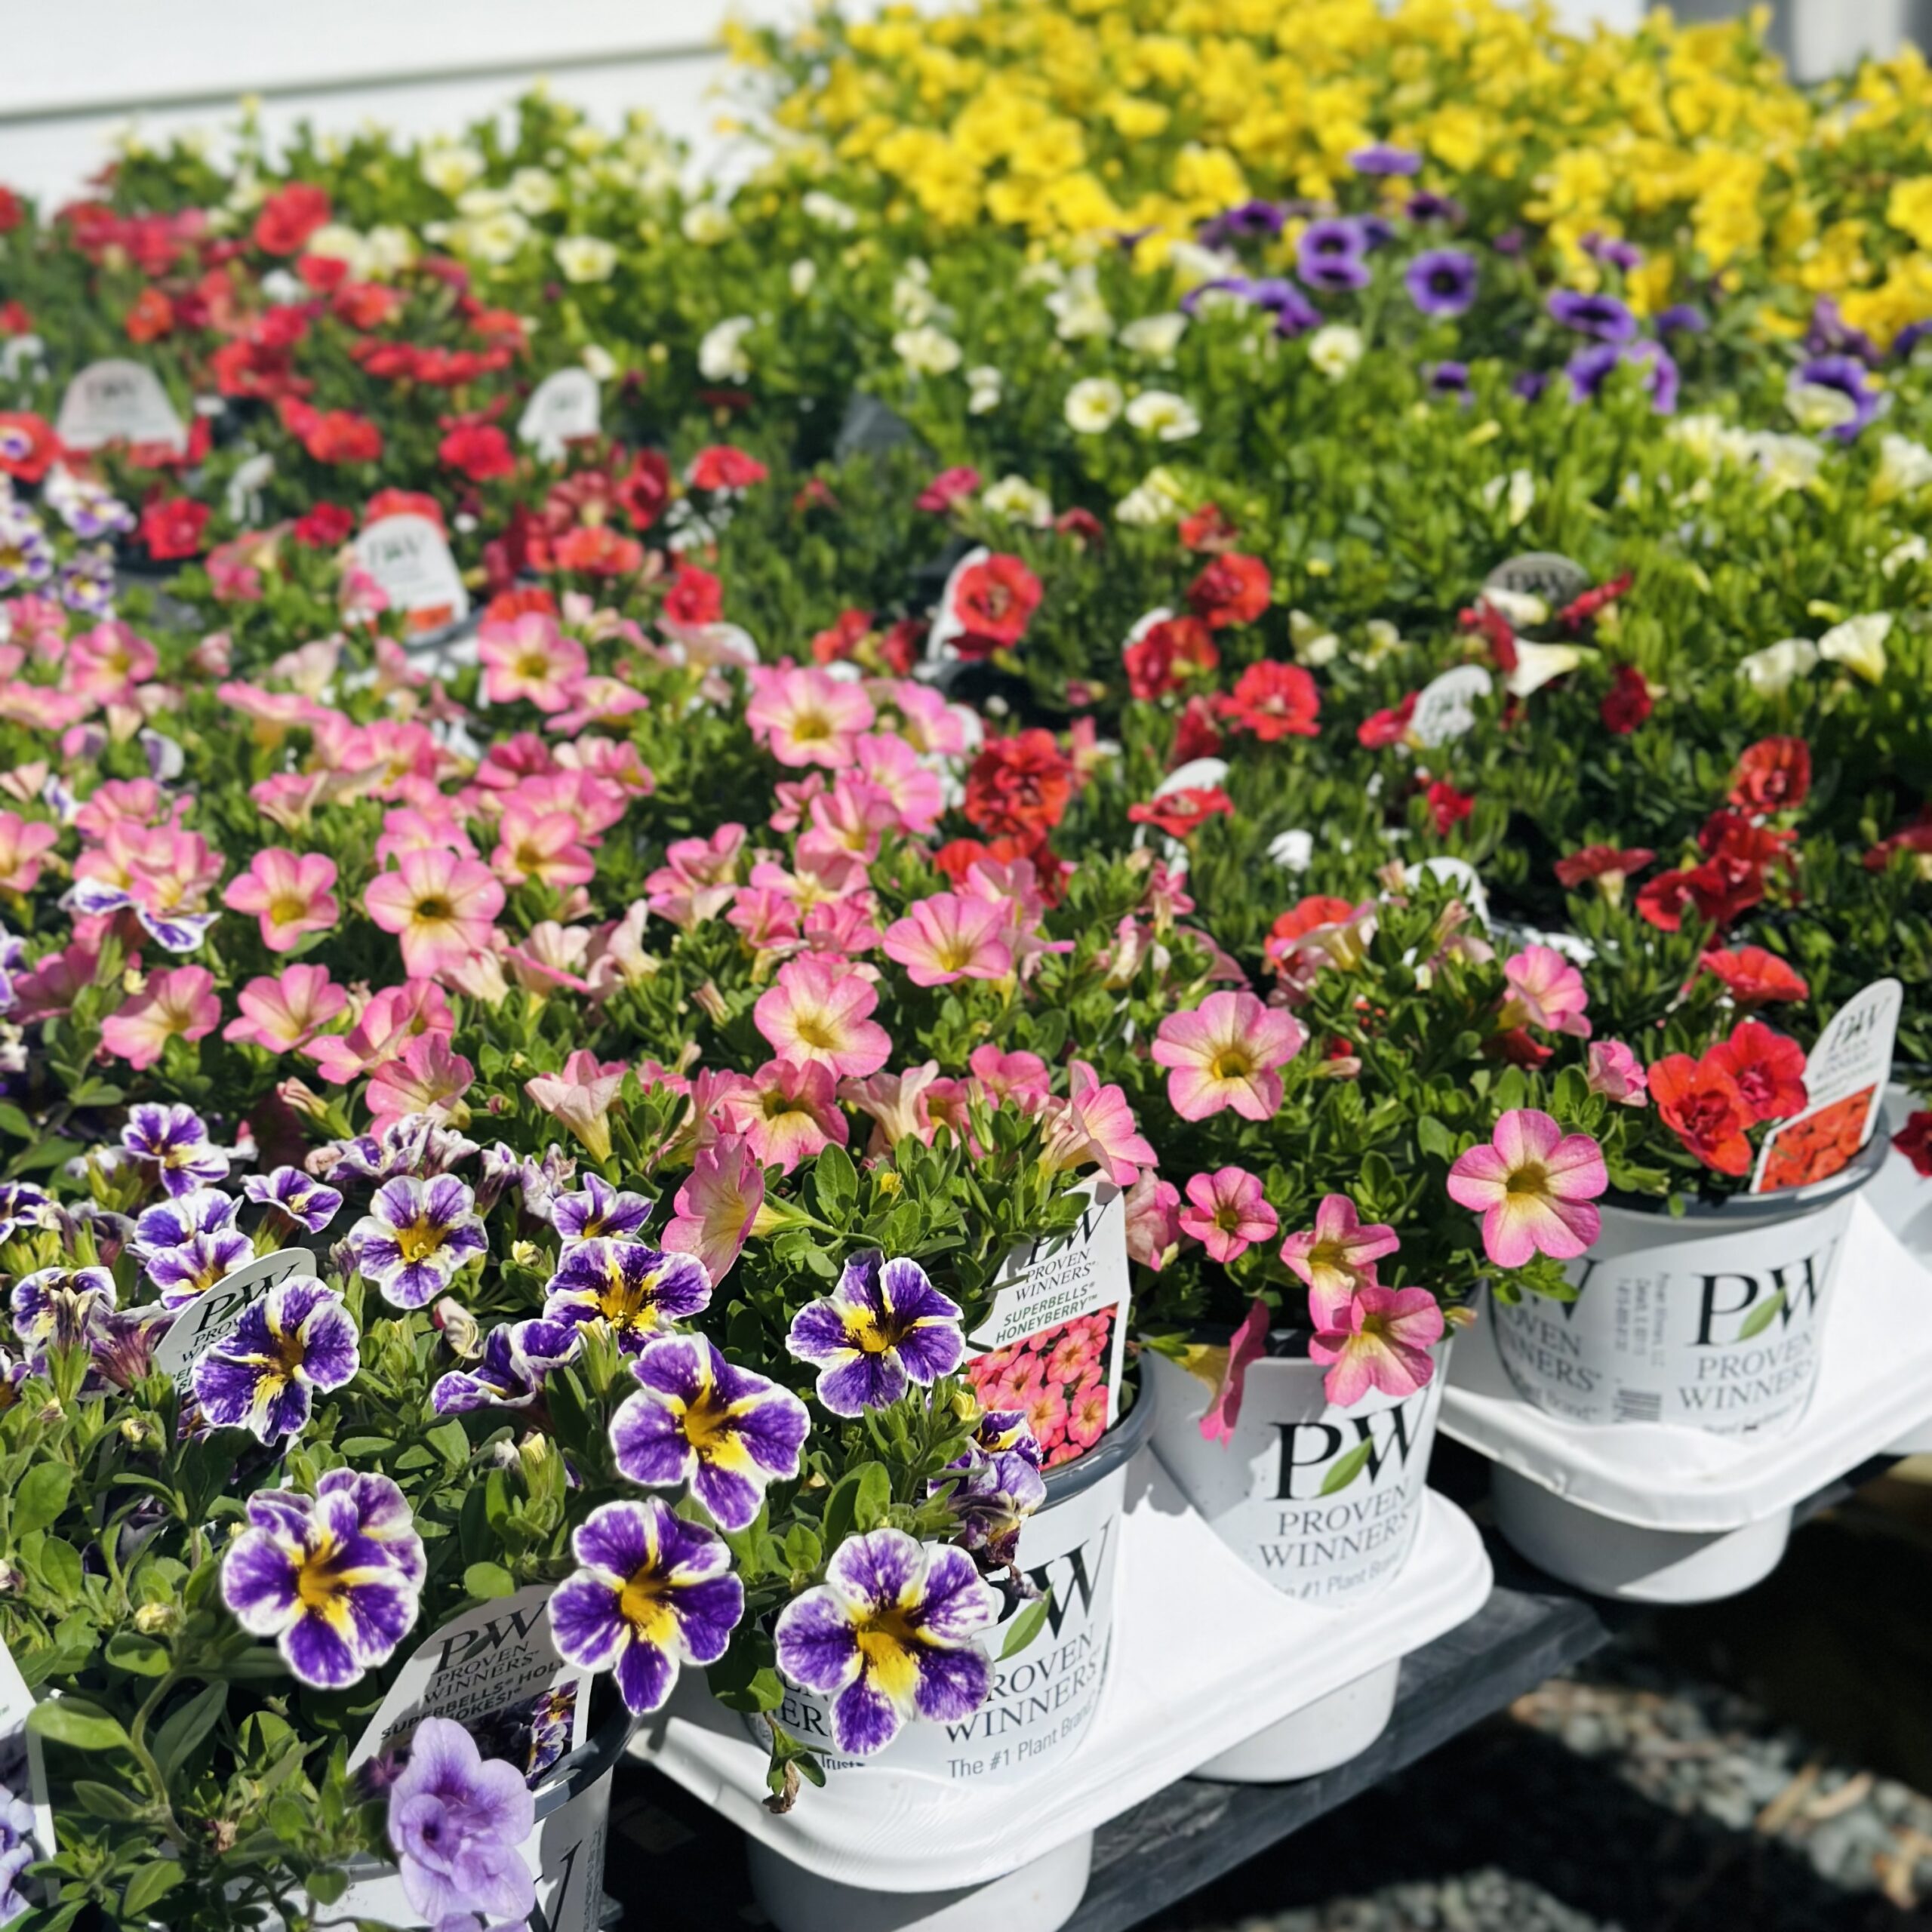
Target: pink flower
(384, 1029)
(698, 879)
(786, 1113)
(1337, 1257)
(1379, 1338)
(947, 937)
(817, 1013)
(539, 845)
(580, 1096)
(529, 657)
(1226, 1053)
(181, 1003)
(807, 716)
(1227, 1212)
(428, 1077)
(1532, 1185)
(24, 845)
(1546, 991)
(716, 1208)
(291, 893)
(1087, 1416)
(441, 907)
(1617, 1073)
(897, 1102)
(408, 828)
(1018, 1076)
(286, 1013)
(1249, 1344)
(1153, 1221)
(1094, 1124)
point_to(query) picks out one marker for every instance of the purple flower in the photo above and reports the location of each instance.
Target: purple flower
(884, 1326)
(333, 1578)
(639, 1291)
(456, 1821)
(25, 555)
(182, 1273)
(17, 1851)
(1682, 318)
(889, 1635)
(652, 1592)
(87, 582)
(1424, 205)
(1332, 254)
(1000, 1488)
(309, 1202)
(1382, 159)
(88, 509)
(699, 1419)
(416, 1144)
(176, 1140)
(416, 1235)
(1292, 310)
(1829, 393)
(180, 932)
(1614, 251)
(175, 1222)
(1442, 281)
(517, 1355)
(1830, 334)
(1251, 221)
(1908, 338)
(599, 1210)
(298, 1338)
(1590, 368)
(1529, 384)
(537, 1181)
(62, 1308)
(1601, 317)
(1449, 379)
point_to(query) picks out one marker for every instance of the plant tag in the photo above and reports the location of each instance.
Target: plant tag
(949, 624)
(1543, 574)
(563, 407)
(1055, 1342)
(215, 1312)
(409, 557)
(118, 402)
(1444, 706)
(1844, 1085)
(22, 1769)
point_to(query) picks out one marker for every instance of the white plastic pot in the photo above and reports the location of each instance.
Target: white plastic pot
(1712, 1320)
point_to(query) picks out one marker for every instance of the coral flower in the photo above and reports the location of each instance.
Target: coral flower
(786, 1112)
(1227, 1212)
(1546, 991)
(1227, 1053)
(1273, 701)
(1337, 1257)
(291, 893)
(1773, 775)
(1379, 1338)
(441, 907)
(816, 1014)
(803, 716)
(948, 937)
(994, 601)
(1533, 1184)
(1767, 1067)
(529, 658)
(1753, 977)
(180, 1004)
(1700, 1104)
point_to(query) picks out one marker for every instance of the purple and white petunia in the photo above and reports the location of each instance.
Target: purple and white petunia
(1589, 369)
(638, 1291)
(334, 1578)
(176, 1139)
(455, 1820)
(884, 1327)
(297, 1338)
(1831, 394)
(517, 1355)
(415, 1237)
(1379, 160)
(599, 1210)
(62, 1308)
(182, 1273)
(1000, 1486)
(308, 1203)
(652, 1592)
(22, 1205)
(180, 932)
(417, 1144)
(175, 1221)
(698, 1419)
(891, 1634)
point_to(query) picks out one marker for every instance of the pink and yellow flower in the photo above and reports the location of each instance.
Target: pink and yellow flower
(1094, 1125)
(289, 893)
(540, 845)
(1379, 1338)
(1337, 1257)
(948, 937)
(529, 658)
(1227, 1212)
(1546, 992)
(716, 1210)
(428, 1076)
(24, 845)
(1533, 1184)
(816, 1014)
(179, 1004)
(441, 907)
(581, 1097)
(1227, 1052)
(803, 716)
(786, 1112)
(286, 1012)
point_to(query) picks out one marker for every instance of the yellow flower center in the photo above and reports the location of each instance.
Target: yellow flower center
(1532, 1179)
(815, 1033)
(1232, 1063)
(432, 910)
(532, 664)
(315, 1585)
(645, 1603)
(286, 908)
(891, 1648)
(418, 1241)
(808, 727)
(708, 1422)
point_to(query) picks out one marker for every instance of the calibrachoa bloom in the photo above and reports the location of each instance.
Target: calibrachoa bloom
(455, 1822)
(598, 1209)
(1699, 1102)
(1753, 977)
(949, 936)
(178, 1005)
(1546, 991)
(1227, 1052)
(1379, 1338)
(334, 1578)
(698, 1419)
(997, 1487)
(1616, 1073)
(289, 893)
(1335, 1258)
(529, 658)
(1533, 1184)
(297, 1339)
(415, 1237)
(61, 1308)
(517, 1355)
(891, 1634)
(884, 1327)
(638, 1291)
(712, 1213)
(807, 716)
(652, 1592)
(307, 1202)
(817, 1012)
(581, 1097)
(441, 907)
(1227, 1212)
(175, 1139)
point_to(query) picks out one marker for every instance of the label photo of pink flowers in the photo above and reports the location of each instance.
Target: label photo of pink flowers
(1057, 1380)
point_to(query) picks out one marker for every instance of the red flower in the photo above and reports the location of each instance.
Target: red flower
(721, 467)
(526, 600)
(323, 273)
(814, 494)
(958, 857)
(1580, 610)
(364, 305)
(1382, 729)
(946, 488)
(1773, 775)
(1083, 527)
(1752, 976)
(392, 502)
(172, 528)
(1447, 806)
(1628, 702)
(151, 317)
(1019, 787)
(1728, 836)
(1306, 916)
(994, 599)
(28, 446)
(1209, 530)
(289, 216)
(15, 318)
(1158, 660)
(335, 436)
(841, 639)
(480, 449)
(1914, 1140)
(1700, 1104)
(324, 526)
(1274, 701)
(1719, 890)
(1916, 839)
(12, 212)
(644, 489)
(1767, 1067)
(1196, 735)
(1596, 862)
(1179, 813)
(1489, 623)
(594, 550)
(1233, 589)
(695, 597)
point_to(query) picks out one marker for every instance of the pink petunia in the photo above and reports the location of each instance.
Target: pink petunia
(1379, 1339)
(1249, 1344)
(1617, 1073)
(540, 845)
(1546, 991)
(807, 716)
(1095, 1125)
(1227, 1052)
(948, 937)
(817, 1013)
(179, 1004)
(1337, 1257)
(716, 1208)
(382, 1030)
(529, 658)
(286, 1012)
(1533, 1184)
(581, 1096)
(289, 893)
(428, 1076)
(441, 908)
(1227, 1212)
(24, 845)
(786, 1113)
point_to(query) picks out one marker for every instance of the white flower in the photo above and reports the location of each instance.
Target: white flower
(1093, 405)
(338, 242)
(829, 211)
(1155, 499)
(1293, 851)
(1520, 485)
(1709, 438)
(1162, 413)
(801, 275)
(913, 301)
(1335, 349)
(1014, 498)
(1778, 665)
(392, 249)
(1384, 641)
(1913, 550)
(451, 169)
(927, 351)
(720, 356)
(1192, 264)
(1788, 463)
(1903, 467)
(1858, 644)
(533, 191)
(586, 257)
(1523, 609)
(1314, 644)
(706, 223)
(984, 385)
(600, 362)
(479, 203)
(496, 239)
(1537, 663)
(1814, 406)
(1079, 313)
(1155, 338)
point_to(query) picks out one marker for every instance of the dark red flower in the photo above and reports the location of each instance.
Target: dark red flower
(289, 216)
(1914, 1140)
(946, 488)
(479, 450)
(1699, 1102)
(1730, 835)
(1916, 839)
(1603, 862)
(994, 599)
(1209, 530)
(1083, 527)
(1019, 787)
(13, 211)
(1273, 701)
(1773, 775)
(1381, 729)
(15, 318)
(364, 305)
(723, 467)
(323, 273)
(324, 526)
(1489, 623)
(1753, 977)
(1580, 610)
(1447, 806)
(644, 489)
(1719, 891)
(1160, 659)
(1628, 702)
(1196, 735)
(1233, 589)
(1185, 810)
(695, 597)
(172, 528)
(1766, 1067)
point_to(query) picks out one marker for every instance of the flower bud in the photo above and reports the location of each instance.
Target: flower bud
(158, 1619)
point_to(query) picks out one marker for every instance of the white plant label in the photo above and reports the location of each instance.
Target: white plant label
(948, 625)
(1445, 707)
(22, 1769)
(1844, 1085)
(215, 1312)
(118, 402)
(409, 557)
(244, 496)
(562, 407)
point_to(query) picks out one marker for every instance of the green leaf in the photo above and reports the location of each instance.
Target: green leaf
(450, 1441)
(128, 1650)
(105, 1801)
(40, 1497)
(1761, 1317)
(149, 1883)
(61, 1568)
(1434, 1138)
(15, 1123)
(177, 1740)
(874, 1501)
(1345, 1468)
(837, 1182)
(81, 1726)
(488, 1580)
(1025, 1626)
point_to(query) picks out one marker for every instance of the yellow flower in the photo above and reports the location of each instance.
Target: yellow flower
(1908, 207)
